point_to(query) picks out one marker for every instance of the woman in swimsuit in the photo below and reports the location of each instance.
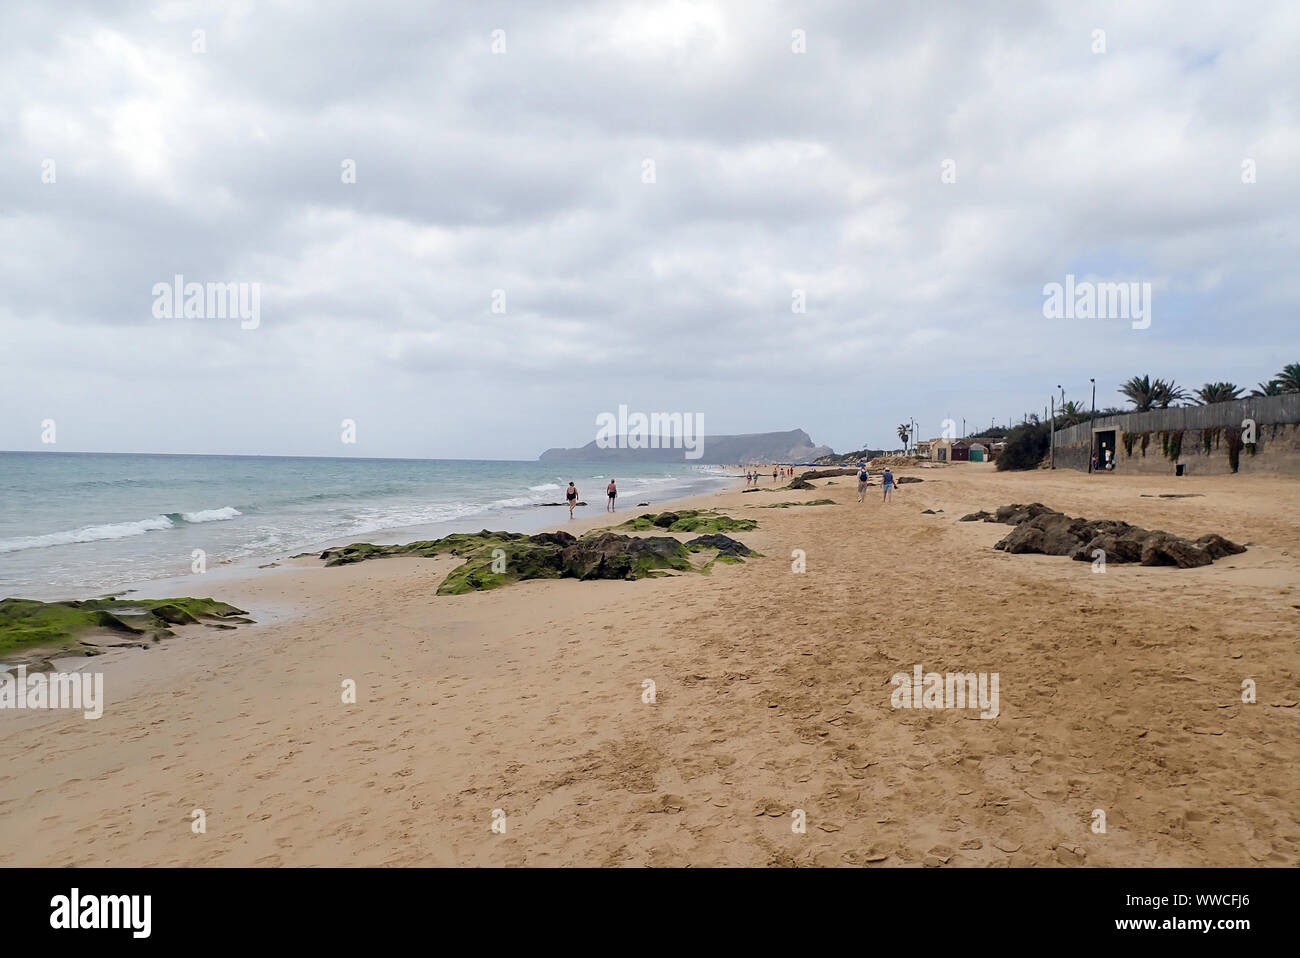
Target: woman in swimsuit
(612, 491)
(572, 496)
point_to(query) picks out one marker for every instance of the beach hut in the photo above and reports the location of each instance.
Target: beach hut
(960, 451)
(977, 452)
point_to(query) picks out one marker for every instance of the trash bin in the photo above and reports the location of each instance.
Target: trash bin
(1179, 468)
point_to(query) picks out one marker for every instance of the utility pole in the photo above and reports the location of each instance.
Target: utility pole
(1052, 432)
(1092, 424)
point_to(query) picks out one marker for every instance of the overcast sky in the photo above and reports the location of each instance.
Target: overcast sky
(524, 171)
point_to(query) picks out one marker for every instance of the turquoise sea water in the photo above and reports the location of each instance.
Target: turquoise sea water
(74, 524)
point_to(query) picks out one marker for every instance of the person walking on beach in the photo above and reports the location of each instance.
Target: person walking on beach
(887, 480)
(612, 492)
(572, 496)
(863, 476)
(774, 475)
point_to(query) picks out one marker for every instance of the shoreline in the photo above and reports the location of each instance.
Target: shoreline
(530, 520)
(1119, 691)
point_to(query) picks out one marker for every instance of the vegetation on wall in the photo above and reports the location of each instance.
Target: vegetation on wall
(1172, 442)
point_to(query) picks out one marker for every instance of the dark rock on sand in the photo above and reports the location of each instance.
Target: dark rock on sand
(1015, 514)
(1218, 546)
(900, 480)
(1045, 531)
(975, 516)
(724, 544)
(560, 539)
(799, 482)
(931, 512)
(607, 555)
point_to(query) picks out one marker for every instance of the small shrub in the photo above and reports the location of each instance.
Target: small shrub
(1027, 445)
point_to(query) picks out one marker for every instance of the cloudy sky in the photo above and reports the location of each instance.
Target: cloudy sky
(133, 149)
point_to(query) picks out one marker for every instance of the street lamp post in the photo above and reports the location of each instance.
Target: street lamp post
(1092, 423)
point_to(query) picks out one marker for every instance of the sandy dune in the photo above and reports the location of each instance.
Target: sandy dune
(1118, 691)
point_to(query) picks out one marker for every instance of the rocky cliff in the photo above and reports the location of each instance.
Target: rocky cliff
(761, 447)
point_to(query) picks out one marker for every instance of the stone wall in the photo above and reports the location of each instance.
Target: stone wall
(1187, 430)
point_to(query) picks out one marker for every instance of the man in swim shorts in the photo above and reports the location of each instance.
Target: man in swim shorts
(612, 492)
(572, 496)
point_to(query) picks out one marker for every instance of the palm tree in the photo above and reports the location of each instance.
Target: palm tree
(1288, 380)
(1216, 392)
(1072, 413)
(1270, 388)
(1165, 394)
(904, 430)
(1139, 392)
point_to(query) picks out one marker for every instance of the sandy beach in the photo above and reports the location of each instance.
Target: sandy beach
(1119, 692)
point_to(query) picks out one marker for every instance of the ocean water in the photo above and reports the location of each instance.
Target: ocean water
(78, 524)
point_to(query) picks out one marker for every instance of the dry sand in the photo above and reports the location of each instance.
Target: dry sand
(1118, 691)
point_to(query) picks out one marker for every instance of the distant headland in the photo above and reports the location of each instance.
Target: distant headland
(795, 445)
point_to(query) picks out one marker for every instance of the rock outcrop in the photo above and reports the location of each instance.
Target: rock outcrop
(1039, 529)
(689, 520)
(31, 630)
(494, 559)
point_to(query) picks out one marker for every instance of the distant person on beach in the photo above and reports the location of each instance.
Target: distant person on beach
(572, 496)
(612, 492)
(774, 473)
(887, 480)
(863, 476)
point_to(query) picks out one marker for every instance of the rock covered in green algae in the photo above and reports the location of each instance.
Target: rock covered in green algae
(556, 555)
(494, 559)
(724, 544)
(27, 625)
(690, 520)
(458, 543)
